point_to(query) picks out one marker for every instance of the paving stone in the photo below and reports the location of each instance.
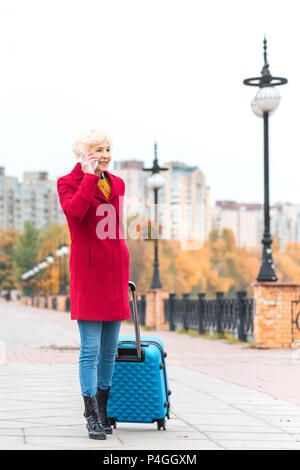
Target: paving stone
(246, 436)
(259, 445)
(215, 404)
(273, 412)
(53, 421)
(39, 447)
(290, 429)
(279, 420)
(10, 424)
(169, 445)
(237, 428)
(11, 442)
(206, 411)
(157, 436)
(11, 432)
(197, 418)
(43, 413)
(74, 442)
(58, 431)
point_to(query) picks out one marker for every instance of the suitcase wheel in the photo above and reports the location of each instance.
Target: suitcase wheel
(161, 423)
(113, 422)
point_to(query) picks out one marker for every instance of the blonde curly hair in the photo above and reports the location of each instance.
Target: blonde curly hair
(85, 142)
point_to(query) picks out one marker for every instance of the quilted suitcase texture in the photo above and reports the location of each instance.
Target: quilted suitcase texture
(140, 391)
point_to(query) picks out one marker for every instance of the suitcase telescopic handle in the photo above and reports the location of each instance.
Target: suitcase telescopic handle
(136, 319)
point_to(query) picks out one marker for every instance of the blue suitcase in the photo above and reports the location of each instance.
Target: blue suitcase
(139, 391)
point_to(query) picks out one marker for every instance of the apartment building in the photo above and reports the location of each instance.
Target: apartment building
(35, 199)
(246, 220)
(185, 198)
(183, 201)
(10, 202)
(184, 206)
(285, 222)
(131, 171)
(40, 199)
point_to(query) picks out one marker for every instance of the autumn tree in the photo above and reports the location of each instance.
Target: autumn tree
(25, 254)
(7, 241)
(50, 240)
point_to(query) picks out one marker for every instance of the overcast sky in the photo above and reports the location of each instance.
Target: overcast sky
(170, 70)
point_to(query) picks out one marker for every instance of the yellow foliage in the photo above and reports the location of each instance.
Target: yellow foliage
(7, 241)
(219, 265)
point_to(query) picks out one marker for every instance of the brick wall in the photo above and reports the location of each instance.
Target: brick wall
(273, 315)
(155, 317)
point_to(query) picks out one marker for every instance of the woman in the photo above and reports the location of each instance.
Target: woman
(92, 200)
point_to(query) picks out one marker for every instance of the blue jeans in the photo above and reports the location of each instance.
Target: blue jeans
(98, 345)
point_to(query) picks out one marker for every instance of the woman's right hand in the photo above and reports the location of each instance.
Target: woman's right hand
(86, 163)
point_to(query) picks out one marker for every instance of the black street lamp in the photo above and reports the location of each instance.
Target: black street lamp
(59, 255)
(65, 251)
(61, 252)
(41, 266)
(35, 270)
(265, 102)
(155, 182)
(50, 261)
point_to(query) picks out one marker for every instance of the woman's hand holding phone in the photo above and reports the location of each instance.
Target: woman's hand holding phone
(89, 163)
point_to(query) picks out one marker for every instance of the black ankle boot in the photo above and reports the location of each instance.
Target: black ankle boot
(102, 397)
(91, 413)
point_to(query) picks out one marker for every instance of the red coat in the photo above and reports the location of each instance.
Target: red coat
(99, 267)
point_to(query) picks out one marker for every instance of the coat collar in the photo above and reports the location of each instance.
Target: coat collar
(78, 174)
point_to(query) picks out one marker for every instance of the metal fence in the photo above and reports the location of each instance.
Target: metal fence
(232, 315)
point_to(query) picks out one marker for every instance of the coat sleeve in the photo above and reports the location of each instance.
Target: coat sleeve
(76, 203)
(123, 187)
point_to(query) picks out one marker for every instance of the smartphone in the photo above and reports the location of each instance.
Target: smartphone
(93, 164)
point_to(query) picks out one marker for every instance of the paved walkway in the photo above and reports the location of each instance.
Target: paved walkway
(223, 396)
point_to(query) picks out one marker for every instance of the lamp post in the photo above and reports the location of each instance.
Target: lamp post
(35, 270)
(155, 182)
(264, 104)
(42, 265)
(61, 252)
(59, 255)
(29, 278)
(64, 251)
(50, 261)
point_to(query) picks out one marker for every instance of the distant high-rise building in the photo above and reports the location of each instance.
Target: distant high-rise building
(131, 171)
(40, 199)
(246, 220)
(187, 204)
(285, 222)
(34, 199)
(185, 210)
(184, 200)
(10, 202)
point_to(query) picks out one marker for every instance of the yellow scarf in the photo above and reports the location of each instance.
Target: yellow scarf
(105, 185)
